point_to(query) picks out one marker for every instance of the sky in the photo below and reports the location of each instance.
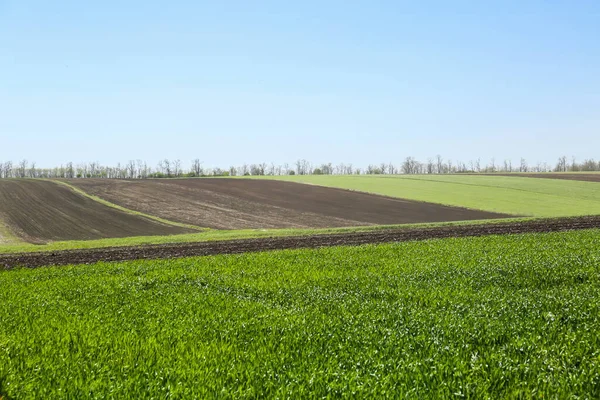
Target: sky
(233, 82)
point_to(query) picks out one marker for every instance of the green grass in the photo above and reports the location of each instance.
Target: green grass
(511, 195)
(216, 235)
(491, 317)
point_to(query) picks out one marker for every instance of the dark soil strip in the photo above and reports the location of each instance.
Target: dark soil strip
(250, 245)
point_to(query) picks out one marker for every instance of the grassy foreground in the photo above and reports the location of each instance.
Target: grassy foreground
(510, 195)
(489, 317)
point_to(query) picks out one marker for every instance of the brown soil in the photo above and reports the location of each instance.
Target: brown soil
(40, 211)
(255, 204)
(571, 177)
(249, 245)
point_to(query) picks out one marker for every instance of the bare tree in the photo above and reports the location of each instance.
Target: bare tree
(409, 166)
(69, 172)
(131, 170)
(167, 167)
(93, 169)
(197, 167)
(430, 166)
(32, 171)
(383, 168)
(440, 165)
(574, 166)
(391, 169)
(493, 165)
(303, 167)
(22, 169)
(561, 165)
(523, 165)
(177, 167)
(263, 168)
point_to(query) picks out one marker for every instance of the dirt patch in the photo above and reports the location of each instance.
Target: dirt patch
(250, 245)
(255, 204)
(567, 176)
(40, 211)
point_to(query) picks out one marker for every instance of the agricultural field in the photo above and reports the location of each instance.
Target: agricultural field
(300, 290)
(574, 176)
(103, 213)
(502, 194)
(245, 203)
(73, 254)
(38, 211)
(487, 317)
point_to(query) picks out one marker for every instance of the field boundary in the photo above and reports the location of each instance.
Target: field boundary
(32, 260)
(408, 199)
(217, 235)
(416, 178)
(127, 210)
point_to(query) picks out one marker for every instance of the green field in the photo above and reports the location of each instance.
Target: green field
(510, 195)
(490, 317)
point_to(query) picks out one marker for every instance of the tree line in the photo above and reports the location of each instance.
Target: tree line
(138, 169)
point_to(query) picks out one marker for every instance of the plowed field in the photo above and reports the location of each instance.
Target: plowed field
(244, 203)
(572, 177)
(278, 243)
(40, 211)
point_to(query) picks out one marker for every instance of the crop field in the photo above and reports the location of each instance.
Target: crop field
(487, 317)
(502, 194)
(246, 203)
(354, 237)
(574, 176)
(39, 211)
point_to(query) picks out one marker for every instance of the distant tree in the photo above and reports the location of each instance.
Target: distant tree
(391, 169)
(32, 170)
(197, 167)
(561, 165)
(523, 166)
(263, 168)
(574, 166)
(439, 164)
(409, 166)
(69, 171)
(22, 169)
(177, 168)
(430, 166)
(131, 169)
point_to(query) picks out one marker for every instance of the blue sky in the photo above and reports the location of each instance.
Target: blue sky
(329, 81)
